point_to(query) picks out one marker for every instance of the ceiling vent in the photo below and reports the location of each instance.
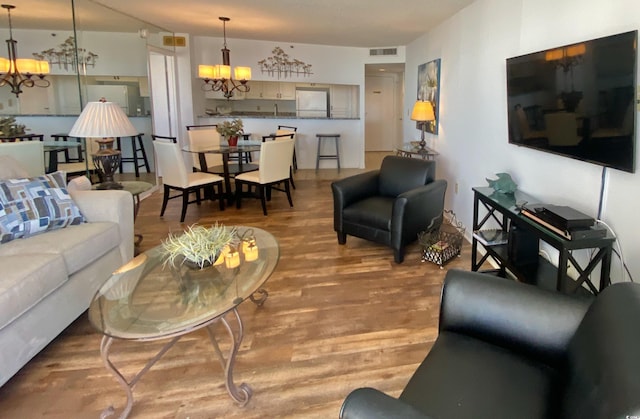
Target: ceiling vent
(383, 51)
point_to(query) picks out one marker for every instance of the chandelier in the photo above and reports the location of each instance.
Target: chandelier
(566, 57)
(67, 56)
(218, 77)
(19, 72)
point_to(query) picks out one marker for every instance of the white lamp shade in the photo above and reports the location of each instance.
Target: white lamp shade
(423, 111)
(102, 120)
(225, 71)
(43, 67)
(242, 73)
(205, 71)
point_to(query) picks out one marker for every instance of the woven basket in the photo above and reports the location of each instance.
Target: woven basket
(440, 246)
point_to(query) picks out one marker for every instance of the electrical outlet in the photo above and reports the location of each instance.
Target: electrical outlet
(456, 187)
(258, 108)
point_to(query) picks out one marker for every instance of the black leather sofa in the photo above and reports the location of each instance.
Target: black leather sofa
(389, 206)
(510, 350)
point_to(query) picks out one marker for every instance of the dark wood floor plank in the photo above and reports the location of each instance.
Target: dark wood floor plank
(337, 318)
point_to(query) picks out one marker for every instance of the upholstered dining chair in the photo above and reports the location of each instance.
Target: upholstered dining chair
(203, 137)
(81, 168)
(389, 206)
(284, 135)
(175, 175)
(274, 168)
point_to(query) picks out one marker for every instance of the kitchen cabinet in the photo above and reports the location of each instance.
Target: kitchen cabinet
(271, 90)
(210, 94)
(343, 101)
(255, 90)
(287, 91)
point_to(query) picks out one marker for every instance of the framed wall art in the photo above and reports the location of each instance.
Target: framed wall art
(429, 89)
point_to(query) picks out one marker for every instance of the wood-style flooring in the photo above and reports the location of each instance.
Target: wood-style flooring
(337, 318)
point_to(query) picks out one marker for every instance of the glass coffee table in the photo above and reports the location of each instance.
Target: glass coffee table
(147, 300)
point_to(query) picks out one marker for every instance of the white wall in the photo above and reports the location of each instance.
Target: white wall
(330, 64)
(472, 141)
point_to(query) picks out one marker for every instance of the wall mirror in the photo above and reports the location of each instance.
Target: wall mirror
(93, 52)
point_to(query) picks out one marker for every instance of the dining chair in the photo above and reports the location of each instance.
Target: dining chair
(175, 175)
(562, 129)
(274, 168)
(203, 137)
(284, 135)
(80, 168)
(284, 129)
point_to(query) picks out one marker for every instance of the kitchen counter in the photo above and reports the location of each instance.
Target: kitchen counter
(258, 115)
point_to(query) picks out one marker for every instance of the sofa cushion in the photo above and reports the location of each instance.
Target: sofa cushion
(31, 206)
(463, 377)
(78, 245)
(26, 280)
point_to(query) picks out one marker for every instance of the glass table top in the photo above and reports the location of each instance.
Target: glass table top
(416, 151)
(148, 299)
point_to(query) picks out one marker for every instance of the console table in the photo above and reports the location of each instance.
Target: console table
(524, 236)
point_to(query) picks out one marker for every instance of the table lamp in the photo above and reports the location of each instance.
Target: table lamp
(423, 112)
(105, 121)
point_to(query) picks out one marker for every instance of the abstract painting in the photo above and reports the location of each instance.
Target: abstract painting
(429, 89)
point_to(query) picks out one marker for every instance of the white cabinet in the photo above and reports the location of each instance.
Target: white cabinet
(270, 90)
(287, 91)
(210, 94)
(343, 101)
(255, 90)
(273, 90)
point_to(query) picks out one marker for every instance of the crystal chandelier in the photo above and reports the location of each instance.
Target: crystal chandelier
(218, 77)
(20, 72)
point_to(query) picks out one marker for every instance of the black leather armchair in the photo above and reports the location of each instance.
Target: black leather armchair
(511, 350)
(389, 206)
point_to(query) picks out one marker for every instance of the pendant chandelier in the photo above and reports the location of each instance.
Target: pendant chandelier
(218, 77)
(20, 72)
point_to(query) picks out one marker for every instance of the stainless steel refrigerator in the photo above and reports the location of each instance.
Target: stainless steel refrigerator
(312, 103)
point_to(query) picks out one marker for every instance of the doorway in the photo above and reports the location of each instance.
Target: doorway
(163, 92)
(383, 106)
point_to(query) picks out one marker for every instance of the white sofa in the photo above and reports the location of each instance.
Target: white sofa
(48, 280)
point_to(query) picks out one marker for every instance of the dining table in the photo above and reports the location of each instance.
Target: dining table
(229, 169)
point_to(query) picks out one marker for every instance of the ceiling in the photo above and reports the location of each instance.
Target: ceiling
(355, 23)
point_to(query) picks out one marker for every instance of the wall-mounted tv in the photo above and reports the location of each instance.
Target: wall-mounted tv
(577, 100)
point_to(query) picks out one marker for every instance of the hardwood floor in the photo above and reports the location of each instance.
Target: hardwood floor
(337, 318)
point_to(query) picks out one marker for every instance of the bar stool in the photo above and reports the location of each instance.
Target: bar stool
(137, 160)
(336, 139)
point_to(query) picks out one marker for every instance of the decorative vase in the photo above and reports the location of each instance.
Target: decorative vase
(233, 140)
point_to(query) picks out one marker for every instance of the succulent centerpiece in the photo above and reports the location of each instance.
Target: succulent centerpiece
(198, 246)
(9, 128)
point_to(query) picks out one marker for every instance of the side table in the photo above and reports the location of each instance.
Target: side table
(416, 152)
(135, 188)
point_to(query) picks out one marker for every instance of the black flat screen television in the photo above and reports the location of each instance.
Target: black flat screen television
(577, 100)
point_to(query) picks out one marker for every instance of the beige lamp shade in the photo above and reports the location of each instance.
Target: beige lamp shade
(205, 71)
(102, 120)
(423, 111)
(242, 73)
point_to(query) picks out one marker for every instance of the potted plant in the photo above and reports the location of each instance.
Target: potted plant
(198, 246)
(231, 130)
(10, 129)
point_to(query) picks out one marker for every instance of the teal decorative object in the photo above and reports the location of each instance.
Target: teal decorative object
(504, 183)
